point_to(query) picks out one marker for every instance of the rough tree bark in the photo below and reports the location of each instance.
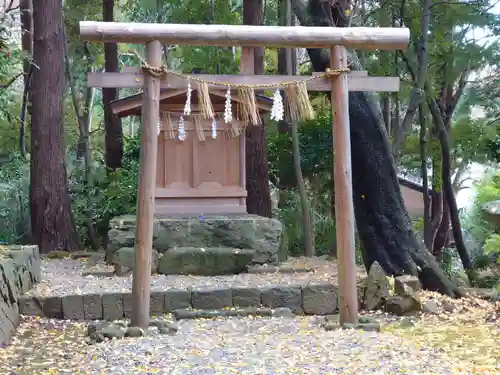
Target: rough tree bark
(383, 224)
(114, 133)
(52, 223)
(257, 181)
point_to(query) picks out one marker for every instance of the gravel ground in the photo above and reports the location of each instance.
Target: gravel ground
(465, 341)
(259, 346)
(64, 276)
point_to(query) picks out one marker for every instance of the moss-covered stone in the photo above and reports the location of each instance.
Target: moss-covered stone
(264, 235)
(204, 261)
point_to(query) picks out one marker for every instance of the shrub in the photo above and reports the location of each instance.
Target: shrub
(108, 194)
(475, 221)
(492, 247)
(14, 199)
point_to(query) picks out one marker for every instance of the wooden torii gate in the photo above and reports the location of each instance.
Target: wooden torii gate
(248, 37)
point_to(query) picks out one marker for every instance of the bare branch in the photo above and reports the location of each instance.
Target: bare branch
(420, 78)
(462, 82)
(10, 82)
(410, 68)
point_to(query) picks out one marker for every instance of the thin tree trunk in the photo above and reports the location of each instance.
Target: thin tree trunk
(304, 202)
(257, 180)
(437, 201)
(448, 187)
(442, 231)
(284, 56)
(26, 10)
(24, 112)
(395, 114)
(112, 124)
(385, 57)
(51, 218)
(84, 126)
(384, 226)
(425, 180)
(287, 180)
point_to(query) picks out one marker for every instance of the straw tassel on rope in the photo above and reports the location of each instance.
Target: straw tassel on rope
(168, 126)
(248, 106)
(298, 103)
(206, 108)
(305, 107)
(291, 102)
(297, 98)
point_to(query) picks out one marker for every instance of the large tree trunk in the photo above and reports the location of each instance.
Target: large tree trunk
(52, 223)
(114, 134)
(384, 226)
(257, 181)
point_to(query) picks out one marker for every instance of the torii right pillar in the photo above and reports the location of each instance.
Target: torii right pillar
(344, 206)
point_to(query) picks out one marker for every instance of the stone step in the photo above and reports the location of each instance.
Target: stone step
(186, 314)
(319, 299)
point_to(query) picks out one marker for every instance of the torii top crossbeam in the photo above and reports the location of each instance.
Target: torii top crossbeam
(383, 38)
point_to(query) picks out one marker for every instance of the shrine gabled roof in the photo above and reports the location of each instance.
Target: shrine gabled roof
(132, 105)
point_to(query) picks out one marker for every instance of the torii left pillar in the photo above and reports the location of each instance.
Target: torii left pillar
(141, 286)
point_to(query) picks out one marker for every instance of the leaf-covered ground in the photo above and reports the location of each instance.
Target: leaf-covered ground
(467, 330)
(464, 338)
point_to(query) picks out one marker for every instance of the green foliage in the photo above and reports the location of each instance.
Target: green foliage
(315, 141)
(492, 247)
(74, 12)
(110, 194)
(475, 221)
(10, 92)
(14, 193)
(290, 214)
(186, 58)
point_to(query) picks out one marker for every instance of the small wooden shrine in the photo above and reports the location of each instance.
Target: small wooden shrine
(201, 162)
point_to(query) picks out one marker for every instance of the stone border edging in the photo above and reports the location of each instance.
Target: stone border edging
(278, 269)
(311, 299)
(19, 272)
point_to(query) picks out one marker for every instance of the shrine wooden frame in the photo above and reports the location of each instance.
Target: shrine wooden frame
(248, 37)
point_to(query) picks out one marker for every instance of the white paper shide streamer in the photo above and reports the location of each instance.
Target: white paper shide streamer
(228, 115)
(277, 111)
(158, 127)
(182, 130)
(214, 128)
(187, 107)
